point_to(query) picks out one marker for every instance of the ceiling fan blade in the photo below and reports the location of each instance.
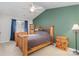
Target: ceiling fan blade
(34, 8)
(39, 8)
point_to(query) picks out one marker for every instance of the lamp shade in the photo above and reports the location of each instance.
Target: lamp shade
(75, 27)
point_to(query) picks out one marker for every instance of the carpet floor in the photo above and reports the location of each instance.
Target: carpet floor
(9, 49)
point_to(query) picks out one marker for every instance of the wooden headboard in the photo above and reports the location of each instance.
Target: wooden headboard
(52, 34)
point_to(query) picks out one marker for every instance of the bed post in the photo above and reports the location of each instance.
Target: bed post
(25, 46)
(51, 34)
(16, 38)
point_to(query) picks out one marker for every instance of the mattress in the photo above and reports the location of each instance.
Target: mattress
(38, 38)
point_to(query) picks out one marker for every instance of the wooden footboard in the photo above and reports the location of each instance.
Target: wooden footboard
(25, 46)
(18, 38)
(22, 43)
(39, 47)
(25, 49)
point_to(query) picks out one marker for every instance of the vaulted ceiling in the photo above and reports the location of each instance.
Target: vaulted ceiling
(22, 9)
(18, 10)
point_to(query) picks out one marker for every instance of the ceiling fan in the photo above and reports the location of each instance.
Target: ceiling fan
(34, 8)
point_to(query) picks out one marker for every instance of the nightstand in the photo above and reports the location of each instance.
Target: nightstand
(62, 42)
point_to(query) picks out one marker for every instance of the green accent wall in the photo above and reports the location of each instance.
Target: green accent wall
(63, 19)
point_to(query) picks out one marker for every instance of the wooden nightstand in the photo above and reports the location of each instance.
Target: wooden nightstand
(62, 42)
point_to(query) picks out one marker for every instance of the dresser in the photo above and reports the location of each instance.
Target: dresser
(62, 42)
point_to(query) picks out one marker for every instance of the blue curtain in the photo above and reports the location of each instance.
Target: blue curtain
(26, 26)
(13, 29)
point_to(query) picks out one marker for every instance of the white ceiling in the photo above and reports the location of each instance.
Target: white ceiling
(21, 9)
(49, 5)
(18, 10)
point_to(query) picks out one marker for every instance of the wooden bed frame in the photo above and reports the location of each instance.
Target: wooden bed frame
(21, 39)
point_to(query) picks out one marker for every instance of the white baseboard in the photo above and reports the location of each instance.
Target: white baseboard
(4, 41)
(69, 48)
(73, 49)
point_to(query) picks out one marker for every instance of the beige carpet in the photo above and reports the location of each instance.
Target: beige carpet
(9, 49)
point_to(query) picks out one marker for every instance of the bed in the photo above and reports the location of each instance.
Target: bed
(29, 43)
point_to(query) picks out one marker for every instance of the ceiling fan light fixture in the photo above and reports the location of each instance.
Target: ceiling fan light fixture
(32, 10)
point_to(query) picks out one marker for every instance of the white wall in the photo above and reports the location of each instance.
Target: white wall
(19, 11)
(5, 27)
